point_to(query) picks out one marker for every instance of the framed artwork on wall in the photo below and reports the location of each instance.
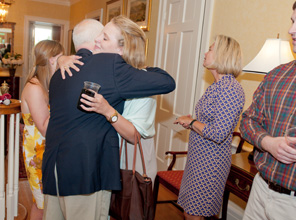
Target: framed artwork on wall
(114, 8)
(97, 14)
(139, 11)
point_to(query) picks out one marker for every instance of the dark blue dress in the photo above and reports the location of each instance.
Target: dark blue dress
(209, 156)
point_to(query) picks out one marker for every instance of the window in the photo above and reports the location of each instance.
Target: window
(42, 33)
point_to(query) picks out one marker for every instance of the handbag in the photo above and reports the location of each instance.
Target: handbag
(135, 200)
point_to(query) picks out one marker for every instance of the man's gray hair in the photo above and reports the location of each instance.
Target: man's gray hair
(86, 31)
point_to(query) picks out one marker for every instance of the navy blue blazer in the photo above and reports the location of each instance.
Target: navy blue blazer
(85, 146)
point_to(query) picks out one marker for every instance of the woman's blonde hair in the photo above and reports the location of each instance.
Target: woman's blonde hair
(133, 42)
(227, 56)
(43, 51)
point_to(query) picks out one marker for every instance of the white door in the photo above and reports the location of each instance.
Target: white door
(182, 38)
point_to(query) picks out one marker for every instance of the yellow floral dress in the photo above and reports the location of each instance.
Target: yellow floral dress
(33, 148)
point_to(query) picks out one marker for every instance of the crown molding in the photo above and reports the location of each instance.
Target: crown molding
(74, 1)
(58, 2)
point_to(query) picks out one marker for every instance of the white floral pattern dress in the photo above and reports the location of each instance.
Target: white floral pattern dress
(33, 148)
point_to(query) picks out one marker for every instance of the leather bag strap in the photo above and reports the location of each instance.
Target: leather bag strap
(137, 143)
(120, 151)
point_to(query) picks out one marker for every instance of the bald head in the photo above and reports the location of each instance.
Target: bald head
(85, 32)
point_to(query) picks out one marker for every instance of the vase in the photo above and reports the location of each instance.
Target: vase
(12, 72)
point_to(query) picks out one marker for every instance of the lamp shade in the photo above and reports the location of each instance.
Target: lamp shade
(273, 53)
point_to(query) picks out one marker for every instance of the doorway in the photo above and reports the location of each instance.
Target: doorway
(39, 31)
(36, 29)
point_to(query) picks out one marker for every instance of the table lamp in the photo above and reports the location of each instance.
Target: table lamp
(273, 53)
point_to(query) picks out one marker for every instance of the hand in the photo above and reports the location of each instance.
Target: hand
(278, 147)
(67, 62)
(184, 120)
(97, 104)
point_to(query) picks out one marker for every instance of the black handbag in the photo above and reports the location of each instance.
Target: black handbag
(135, 200)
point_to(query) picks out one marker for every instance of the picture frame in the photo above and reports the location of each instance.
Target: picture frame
(97, 15)
(71, 48)
(146, 48)
(113, 9)
(139, 11)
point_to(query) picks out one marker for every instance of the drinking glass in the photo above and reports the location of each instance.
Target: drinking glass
(89, 89)
(290, 136)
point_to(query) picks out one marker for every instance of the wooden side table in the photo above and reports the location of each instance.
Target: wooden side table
(13, 111)
(240, 179)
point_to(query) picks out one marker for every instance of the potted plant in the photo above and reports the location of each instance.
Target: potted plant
(12, 61)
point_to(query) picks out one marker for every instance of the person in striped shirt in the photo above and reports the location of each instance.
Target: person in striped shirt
(263, 124)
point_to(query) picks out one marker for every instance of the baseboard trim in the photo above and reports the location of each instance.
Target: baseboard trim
(234, 212)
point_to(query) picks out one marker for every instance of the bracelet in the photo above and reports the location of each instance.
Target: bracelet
(191, 123)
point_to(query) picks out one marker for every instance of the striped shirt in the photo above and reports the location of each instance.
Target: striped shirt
(273, 110)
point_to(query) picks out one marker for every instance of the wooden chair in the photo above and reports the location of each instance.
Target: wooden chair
(171, 179)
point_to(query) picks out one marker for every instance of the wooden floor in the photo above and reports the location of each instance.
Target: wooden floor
(167, 211)
(163, 211)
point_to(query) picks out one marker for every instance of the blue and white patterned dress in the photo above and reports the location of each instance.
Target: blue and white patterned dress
(209, 156)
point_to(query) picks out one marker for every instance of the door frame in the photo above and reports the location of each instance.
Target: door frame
(64, 38)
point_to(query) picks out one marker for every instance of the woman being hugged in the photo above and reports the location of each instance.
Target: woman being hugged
(216, 116)
(123, 36)
(35, 114)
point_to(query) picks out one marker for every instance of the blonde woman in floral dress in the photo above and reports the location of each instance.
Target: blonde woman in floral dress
(35, 113)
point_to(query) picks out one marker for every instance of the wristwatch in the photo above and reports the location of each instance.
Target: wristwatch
(191, 123)
(113, 118)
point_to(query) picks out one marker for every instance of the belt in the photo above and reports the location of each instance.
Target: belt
(277, 188)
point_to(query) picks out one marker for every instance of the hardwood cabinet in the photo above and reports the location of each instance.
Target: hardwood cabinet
(13, 82)
(240, 179)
